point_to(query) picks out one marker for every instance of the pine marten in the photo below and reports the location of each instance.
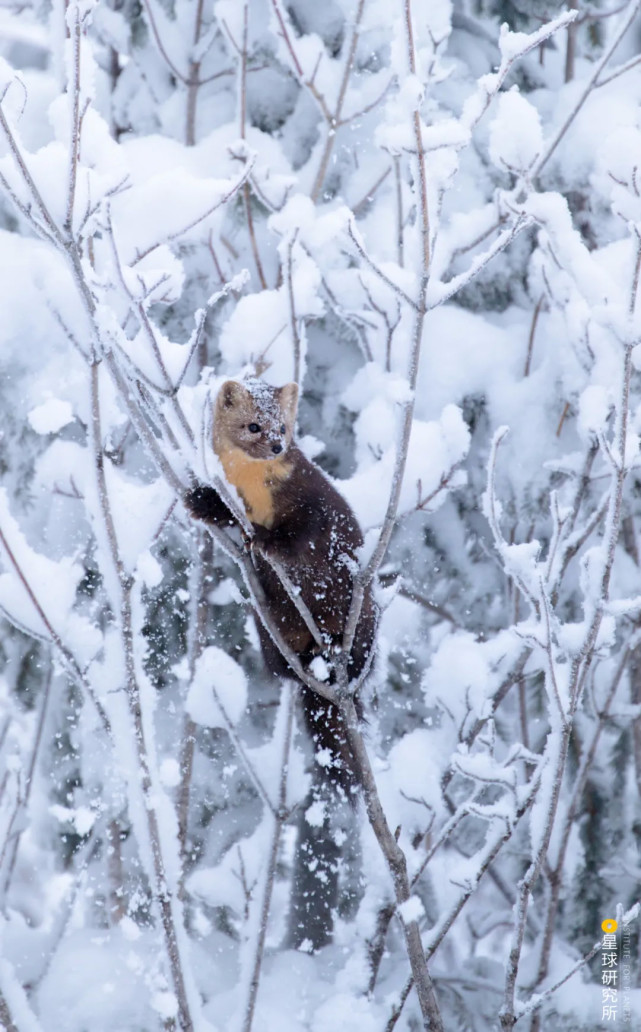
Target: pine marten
(302, 521)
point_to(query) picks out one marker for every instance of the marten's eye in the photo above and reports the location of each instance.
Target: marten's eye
(283, 429)
(254, 428)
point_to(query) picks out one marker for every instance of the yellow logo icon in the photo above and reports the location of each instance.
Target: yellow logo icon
(609, 925)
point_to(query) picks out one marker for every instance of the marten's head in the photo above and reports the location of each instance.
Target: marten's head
(255, 417)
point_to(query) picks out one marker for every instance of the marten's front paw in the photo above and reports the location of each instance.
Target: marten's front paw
(258, 547)
(205, 504)
(197, 501)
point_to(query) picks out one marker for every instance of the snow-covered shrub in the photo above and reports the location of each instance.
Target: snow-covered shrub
(432, 223)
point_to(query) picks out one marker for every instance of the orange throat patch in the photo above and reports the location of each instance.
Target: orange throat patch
(255, 480)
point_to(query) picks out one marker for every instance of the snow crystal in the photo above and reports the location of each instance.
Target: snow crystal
(129, 929)
(319, 668)
(82, 818)
(594, 408)
(149, 569)
(224, 593)
(51, 416)
(411, 910)
(53, 584)
(409, 784)
(342, 1007)
(217, 678)
(516, 138)
(137, 510)
(315, 814)
(460, 674)
(169, 772)
(165, 1004)
(434, 450)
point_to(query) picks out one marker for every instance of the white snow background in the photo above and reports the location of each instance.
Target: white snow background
(190, 193)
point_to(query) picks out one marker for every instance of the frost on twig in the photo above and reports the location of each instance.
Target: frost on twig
(234, 138)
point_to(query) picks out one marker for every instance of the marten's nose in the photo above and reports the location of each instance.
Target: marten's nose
(277, 449)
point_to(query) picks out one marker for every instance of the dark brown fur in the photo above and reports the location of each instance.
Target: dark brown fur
(301, 520)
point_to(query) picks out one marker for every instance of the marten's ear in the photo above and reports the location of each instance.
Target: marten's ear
(231, 393)
(289, 400)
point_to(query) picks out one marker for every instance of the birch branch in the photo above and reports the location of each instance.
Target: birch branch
(280, 816)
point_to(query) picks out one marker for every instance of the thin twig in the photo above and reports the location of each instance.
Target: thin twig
(242, 753)
(294, 595)
(621, 70)
(365, 577)
(193, 77)
(161, 47)
(51, 228)
(442, 292)
(293, 322)
(530, 343)
(554, 875)
(334, 120)
(407, 591)
(355, 238)
(484, 859)
(67, 657)
(592, 81)
(540, 998)
(122, 605)
(28, 783)
(220, 203)
(397, 864)
(280, 817)
(73, 89)
(399, 212)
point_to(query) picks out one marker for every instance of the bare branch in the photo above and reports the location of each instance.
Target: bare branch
(68, 659)
(535, 1002)
(397, 864)
(334, 120)
(592, 81)
(621, 70)
(294, 595)
(74, 95)
(355, 237)
(243, 755)
(233, 286)
(50, 225)
(361, 206)
(161, 47)
(293, 322)
(28, 784)
(368, 107)
(407, 591)
(441, 292)
(530, 343)
(280, 818)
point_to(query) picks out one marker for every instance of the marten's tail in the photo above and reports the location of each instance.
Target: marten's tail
(332, 752)
(322, 824)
